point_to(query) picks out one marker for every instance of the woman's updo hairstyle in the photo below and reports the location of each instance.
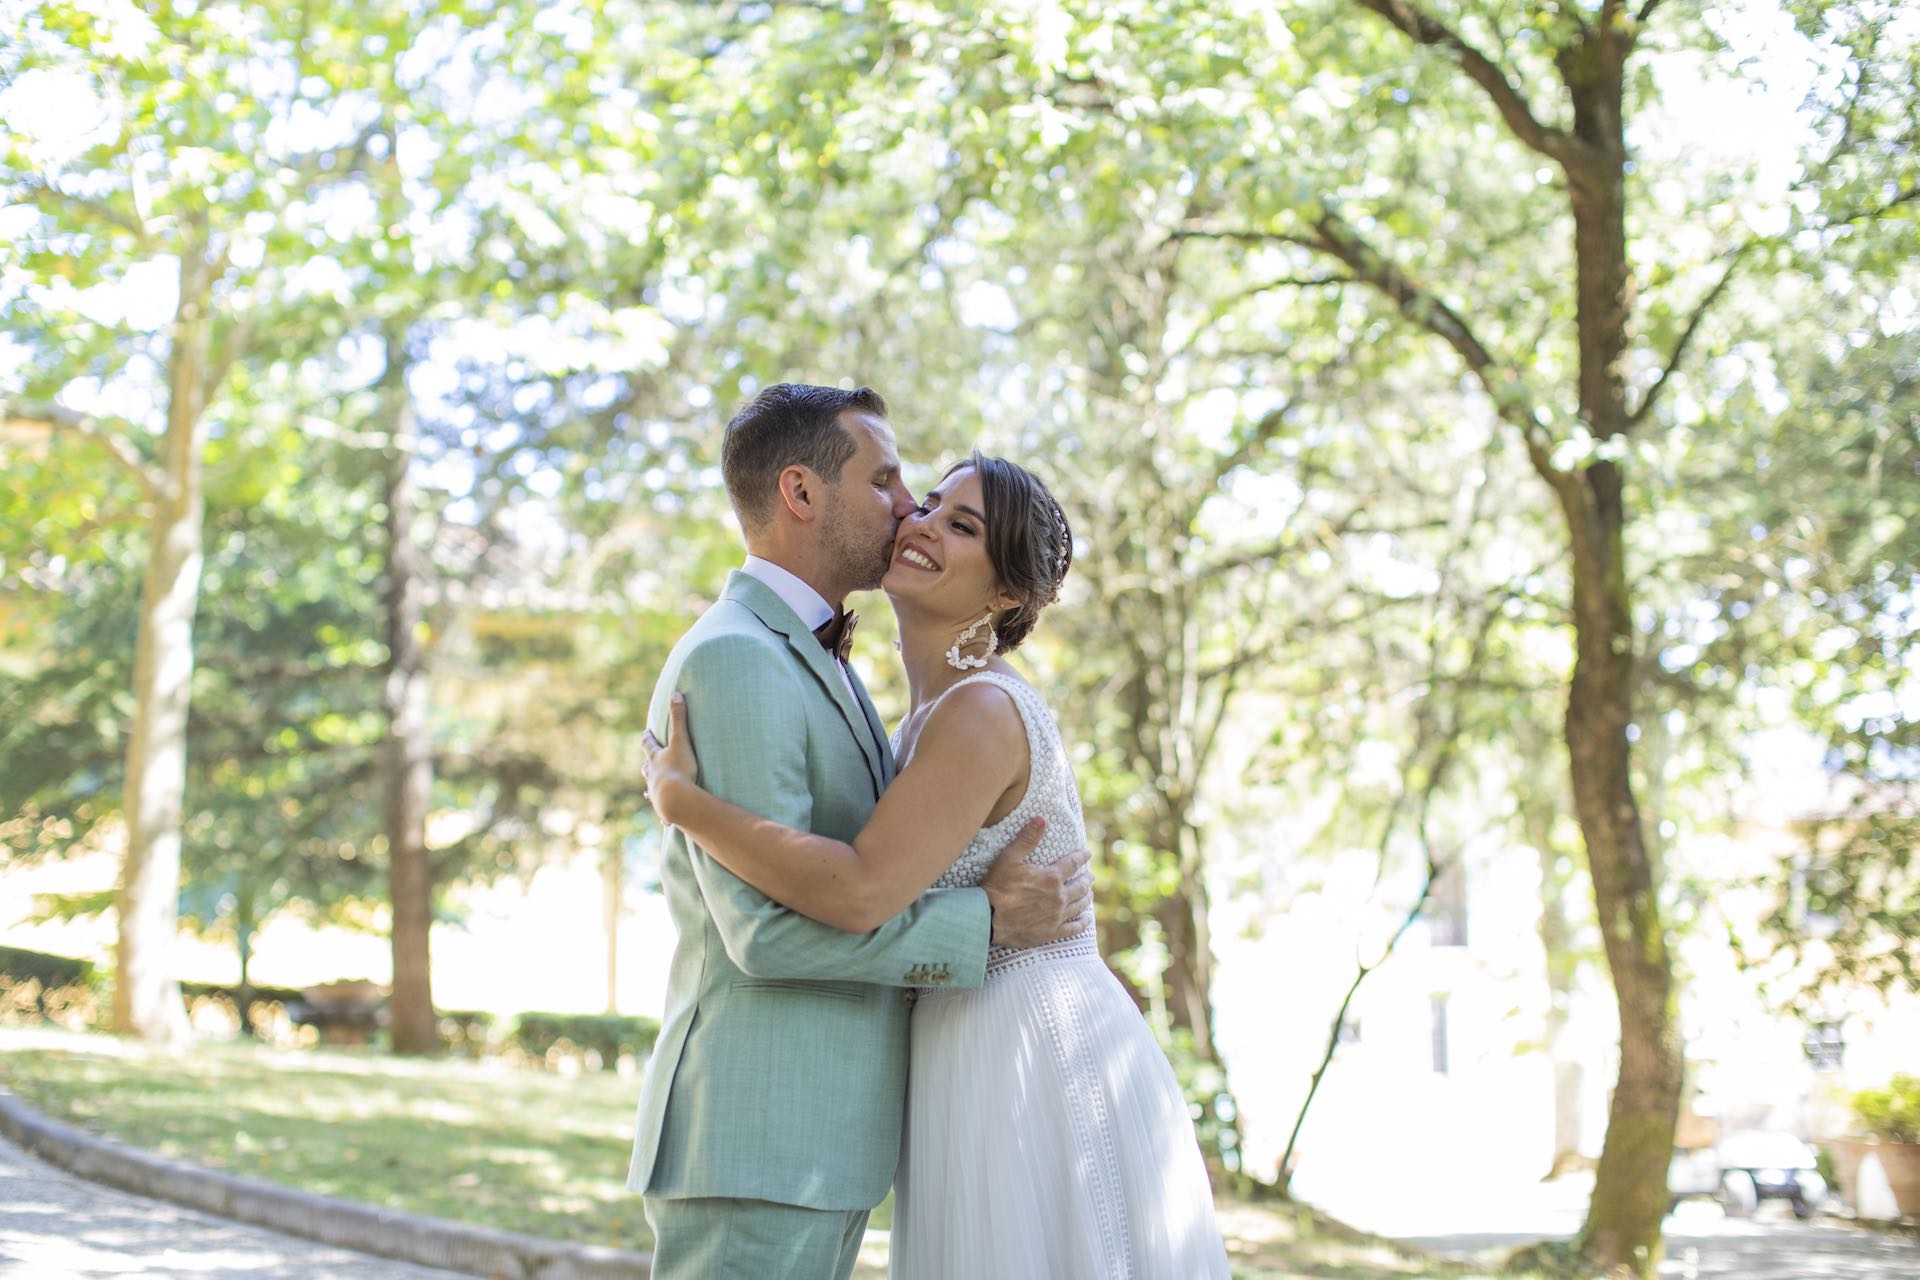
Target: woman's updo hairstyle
(1028, 541)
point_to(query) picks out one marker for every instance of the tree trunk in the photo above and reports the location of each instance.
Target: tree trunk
(146, 996)
(613, 878)
(409, 749)
(243, 930)
(1182, 915)
(1622, 1231)
(1630, 1190)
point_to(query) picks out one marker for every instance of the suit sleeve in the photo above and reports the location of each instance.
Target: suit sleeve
(749, 733)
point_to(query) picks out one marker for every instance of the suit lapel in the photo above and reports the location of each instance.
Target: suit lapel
(774, 612)
(887, 766)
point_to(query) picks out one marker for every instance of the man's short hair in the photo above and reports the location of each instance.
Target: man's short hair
(788, 424)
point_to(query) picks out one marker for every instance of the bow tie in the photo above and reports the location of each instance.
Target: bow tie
(836, 634)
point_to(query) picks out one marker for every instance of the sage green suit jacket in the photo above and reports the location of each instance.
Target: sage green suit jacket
(780, 1072)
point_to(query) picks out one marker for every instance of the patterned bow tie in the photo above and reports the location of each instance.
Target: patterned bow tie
(836, 634)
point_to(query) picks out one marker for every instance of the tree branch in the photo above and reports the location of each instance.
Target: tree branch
(38, 191)
(1242, 235)
(1423, 28)
(1264, 430)
(1510, 396)
(1686, 335)
(335, 162)
(1868, 215)
(1334, 236)
(110, 436)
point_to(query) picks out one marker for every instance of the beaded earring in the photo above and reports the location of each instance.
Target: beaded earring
(962, 662)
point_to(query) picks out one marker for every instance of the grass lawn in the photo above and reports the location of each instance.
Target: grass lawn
(521, 1150)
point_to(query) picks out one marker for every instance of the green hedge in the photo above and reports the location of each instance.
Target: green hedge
(266, 1007)
(1893, 1113)
(51, 972)
(37, 987)
(49, 986)
(548, 1035)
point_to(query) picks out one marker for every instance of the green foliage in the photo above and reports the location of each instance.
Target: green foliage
(1210, 1101)
(1892, 1113)
(607, 1037)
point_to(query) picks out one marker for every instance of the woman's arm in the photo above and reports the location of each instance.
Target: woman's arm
(970, 752)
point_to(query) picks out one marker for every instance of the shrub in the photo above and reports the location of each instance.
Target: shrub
(38, 987)
(51, 972)
(1892, 1113)
(467, 1032)
(266, 1008)
(605, 1036)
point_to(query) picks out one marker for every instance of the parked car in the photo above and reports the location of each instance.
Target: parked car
(1744, 1168)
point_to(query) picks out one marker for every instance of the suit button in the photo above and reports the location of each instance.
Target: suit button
(906, 999)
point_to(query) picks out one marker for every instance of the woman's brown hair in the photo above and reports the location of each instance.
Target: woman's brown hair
(1029, 541)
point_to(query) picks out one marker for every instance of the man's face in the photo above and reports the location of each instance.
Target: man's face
(865, 508)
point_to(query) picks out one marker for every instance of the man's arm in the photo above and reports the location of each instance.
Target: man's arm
(751, 738)
(927, 816)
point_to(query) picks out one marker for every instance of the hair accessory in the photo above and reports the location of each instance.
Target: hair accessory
(962, 662)
(1063, 546)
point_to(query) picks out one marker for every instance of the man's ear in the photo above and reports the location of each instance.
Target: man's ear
(800, 491)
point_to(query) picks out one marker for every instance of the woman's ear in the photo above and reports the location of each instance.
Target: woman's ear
(1005, 602)
(800, 492)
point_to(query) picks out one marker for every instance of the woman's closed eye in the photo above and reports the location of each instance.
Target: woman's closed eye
(959, 524)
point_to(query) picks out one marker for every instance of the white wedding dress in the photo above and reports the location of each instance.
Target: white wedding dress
(1046, 1136)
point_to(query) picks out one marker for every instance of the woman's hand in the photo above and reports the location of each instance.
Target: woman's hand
(669, 768)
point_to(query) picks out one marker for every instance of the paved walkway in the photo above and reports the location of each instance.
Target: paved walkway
(54, 1226)
(1481, 1220)
(1704, 1245)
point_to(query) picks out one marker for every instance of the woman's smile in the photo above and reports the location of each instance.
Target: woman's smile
(913, 557)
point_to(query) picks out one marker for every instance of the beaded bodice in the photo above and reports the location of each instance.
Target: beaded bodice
(1051, 794)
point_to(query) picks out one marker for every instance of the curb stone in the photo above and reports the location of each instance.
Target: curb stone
(388, 1233)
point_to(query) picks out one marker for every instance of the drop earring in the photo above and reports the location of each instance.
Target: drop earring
(963, 662)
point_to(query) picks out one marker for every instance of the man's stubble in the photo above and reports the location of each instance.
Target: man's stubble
(861, 556)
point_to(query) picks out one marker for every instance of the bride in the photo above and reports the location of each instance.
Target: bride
(1046, 1137)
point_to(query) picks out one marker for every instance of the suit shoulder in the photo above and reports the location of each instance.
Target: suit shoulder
(730, 642)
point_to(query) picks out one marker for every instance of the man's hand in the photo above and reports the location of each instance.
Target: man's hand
(1033, 905)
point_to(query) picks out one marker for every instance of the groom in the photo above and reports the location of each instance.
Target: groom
(769, 1119)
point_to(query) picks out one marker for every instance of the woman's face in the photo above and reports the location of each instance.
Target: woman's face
(940, 554)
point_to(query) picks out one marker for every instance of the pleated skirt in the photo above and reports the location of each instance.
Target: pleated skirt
(1046, 1137)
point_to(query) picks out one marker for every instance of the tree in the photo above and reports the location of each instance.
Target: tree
(188, 167)
(284, 700)
(1562, 90)
(1423, 155)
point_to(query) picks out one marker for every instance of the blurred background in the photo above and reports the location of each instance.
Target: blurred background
(1491, 430)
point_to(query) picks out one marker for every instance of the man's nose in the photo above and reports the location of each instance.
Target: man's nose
(903, 503)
